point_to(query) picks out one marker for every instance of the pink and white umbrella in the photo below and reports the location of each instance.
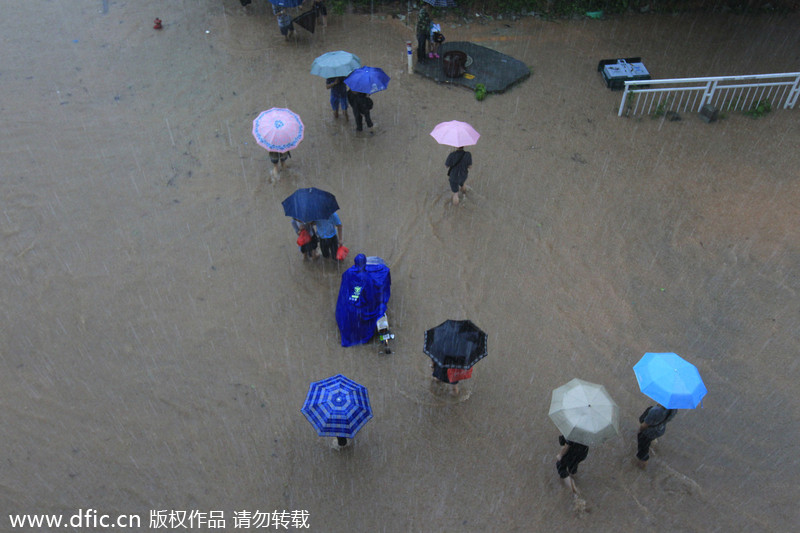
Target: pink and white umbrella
(278, 129)
(455, 133)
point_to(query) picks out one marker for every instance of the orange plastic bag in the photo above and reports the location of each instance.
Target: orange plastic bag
(303, 237)
(342, 252)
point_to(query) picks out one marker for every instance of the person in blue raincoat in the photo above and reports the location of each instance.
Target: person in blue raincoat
(363, 295)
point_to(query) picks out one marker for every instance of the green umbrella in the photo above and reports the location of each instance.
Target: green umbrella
(584, 412)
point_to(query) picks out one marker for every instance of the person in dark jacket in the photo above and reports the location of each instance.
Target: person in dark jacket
(567, 460)
(319, 9)
(458, 163)
(423, 34)
(361, 104)
(653, 424)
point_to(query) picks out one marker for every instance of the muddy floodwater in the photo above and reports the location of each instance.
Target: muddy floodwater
(159, 328)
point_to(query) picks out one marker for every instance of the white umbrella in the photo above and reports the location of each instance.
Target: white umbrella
(584, 412)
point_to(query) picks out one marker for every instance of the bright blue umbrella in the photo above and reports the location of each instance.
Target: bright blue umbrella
(670, 380)
(337, 407)
(310, 204)
(367, 80)
(441, 3)
(335, 64)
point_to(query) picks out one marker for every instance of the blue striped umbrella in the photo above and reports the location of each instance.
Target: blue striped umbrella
(670, 380)
(286, 3)
(441, 3)
(337, 407)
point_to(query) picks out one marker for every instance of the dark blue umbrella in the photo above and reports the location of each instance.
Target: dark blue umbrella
(310, 204)
(337, 407)
(456, 344)
(441, 3)
(367, 80)
(286, 3)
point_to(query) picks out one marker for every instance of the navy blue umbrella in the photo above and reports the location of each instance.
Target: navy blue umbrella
(441, 3)
(286, 3)
(367, 80)
(456, 344)
(310, 204)
(337, 407)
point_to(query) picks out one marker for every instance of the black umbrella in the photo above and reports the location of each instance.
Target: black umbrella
(310, 204)
(307, 20)
(455, 344)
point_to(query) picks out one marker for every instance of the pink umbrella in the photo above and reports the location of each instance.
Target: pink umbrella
(278, 130)
(455, 133)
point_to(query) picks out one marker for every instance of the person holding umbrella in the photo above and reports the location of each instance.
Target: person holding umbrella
(307, 239)
(337, 407)
(278, 130)
(329, 231)
(674, 383)
(457, 134)
(652, 425)
(305, 206)
(454, 347)
(458, 163)
(362, 82)
(338, 96)
(362, 105)
(567, 460)
(586, 415)
(439, 374)
(335, 67)
(276, 157)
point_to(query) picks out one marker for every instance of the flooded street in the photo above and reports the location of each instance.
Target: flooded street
(160, 329)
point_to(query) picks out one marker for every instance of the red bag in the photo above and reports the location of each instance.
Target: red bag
(458, 374)
(303, 237)
(342, 252)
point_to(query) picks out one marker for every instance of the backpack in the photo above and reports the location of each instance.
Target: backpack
(368, 103)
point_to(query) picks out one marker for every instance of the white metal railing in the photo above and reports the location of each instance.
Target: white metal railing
(725, 93)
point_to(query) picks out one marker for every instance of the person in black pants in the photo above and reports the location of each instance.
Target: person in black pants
(567, 460)
(653, 424)
(423, 34)
(320, 11)
(458, 163)
(361, 104)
